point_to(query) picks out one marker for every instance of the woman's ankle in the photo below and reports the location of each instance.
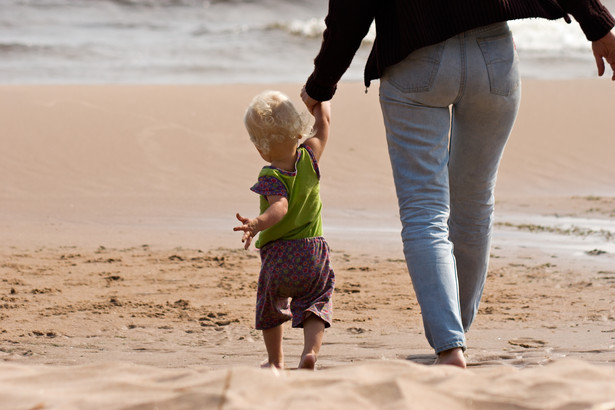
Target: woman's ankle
(453, 357)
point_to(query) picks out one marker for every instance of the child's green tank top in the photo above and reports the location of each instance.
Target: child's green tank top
(303, 219)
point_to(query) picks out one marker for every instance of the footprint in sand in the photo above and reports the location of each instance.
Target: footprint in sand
(355, 330)
(527, 343)
(349, 288)
(50, 334)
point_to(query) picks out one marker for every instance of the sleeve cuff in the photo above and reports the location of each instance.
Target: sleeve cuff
(319, 92)
(268, 185)
(597, 23)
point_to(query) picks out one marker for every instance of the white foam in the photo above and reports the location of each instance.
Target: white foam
(548, 36)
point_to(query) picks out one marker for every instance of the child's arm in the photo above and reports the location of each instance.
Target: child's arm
(278, 206)
(322, 120)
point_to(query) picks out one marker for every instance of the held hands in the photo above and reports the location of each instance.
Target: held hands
(249, 228)
(309, 102)
(604, 49)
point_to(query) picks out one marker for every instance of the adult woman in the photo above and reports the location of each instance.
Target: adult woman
(449, 94)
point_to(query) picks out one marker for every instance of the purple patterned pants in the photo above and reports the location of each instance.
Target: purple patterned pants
(296, 280)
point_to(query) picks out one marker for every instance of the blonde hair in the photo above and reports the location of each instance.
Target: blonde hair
(272, 117)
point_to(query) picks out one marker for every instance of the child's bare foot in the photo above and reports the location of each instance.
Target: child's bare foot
(452, 357)
(266, 364)
(308, 361)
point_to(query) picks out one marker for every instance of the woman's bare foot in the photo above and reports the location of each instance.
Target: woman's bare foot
(452, 357)
(308, 361)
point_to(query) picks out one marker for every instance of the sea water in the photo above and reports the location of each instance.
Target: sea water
(214, 41)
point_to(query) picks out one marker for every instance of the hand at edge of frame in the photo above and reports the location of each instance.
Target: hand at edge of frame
(604, 49)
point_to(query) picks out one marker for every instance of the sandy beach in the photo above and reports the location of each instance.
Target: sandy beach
(122, 284)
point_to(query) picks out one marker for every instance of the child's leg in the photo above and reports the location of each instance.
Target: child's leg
(313, 332)
(273, 343)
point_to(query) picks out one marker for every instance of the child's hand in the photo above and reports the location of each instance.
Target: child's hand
(249, 228)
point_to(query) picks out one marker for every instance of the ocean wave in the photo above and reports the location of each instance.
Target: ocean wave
(127, 3)
(23, 48)
(537, 35)
(129, 26)
(163, 3)
(534, 35)
(188, 3)
(40, 52)
(203, 40)
(312, 28)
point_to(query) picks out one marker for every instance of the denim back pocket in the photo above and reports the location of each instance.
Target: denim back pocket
(502, 63)
(417, 72)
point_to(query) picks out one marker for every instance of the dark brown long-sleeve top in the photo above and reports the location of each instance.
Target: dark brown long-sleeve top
(403, 26)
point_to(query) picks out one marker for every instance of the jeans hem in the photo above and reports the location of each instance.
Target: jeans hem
(451, 346)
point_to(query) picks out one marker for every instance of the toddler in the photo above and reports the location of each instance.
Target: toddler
(296, 280)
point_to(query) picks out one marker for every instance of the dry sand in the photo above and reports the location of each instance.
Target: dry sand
(123, 286)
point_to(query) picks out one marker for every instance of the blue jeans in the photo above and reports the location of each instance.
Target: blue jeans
(448, 111)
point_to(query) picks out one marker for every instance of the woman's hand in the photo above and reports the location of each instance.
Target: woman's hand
(604, 49)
